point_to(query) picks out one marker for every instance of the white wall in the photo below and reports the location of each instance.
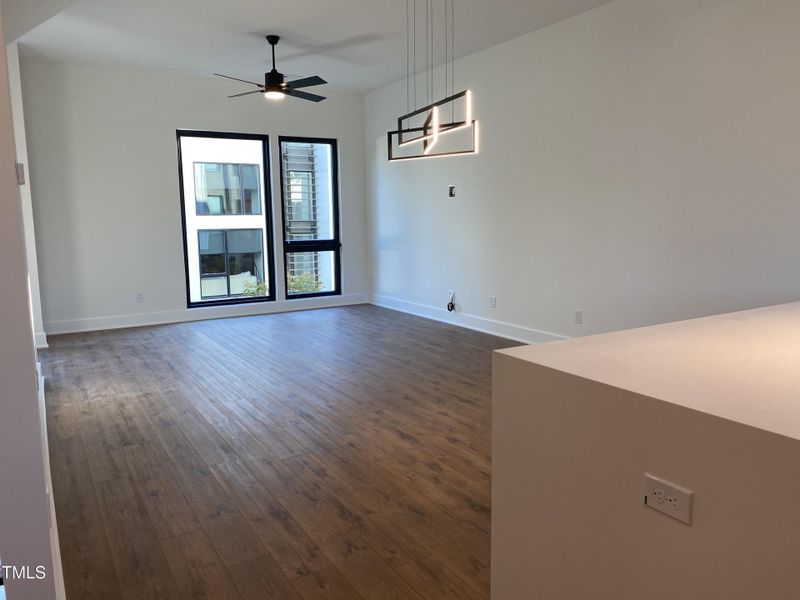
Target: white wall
(25, 523)
(638, 162)
(106, 202)
(21, 146)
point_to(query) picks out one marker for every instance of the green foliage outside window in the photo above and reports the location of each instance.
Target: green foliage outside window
(253, 290)
(304, 283)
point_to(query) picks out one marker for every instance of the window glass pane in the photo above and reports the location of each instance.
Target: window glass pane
(211, 241)
(212, 252)
(232, 263)
(227, 189)
(308, 191)
(251, 199)
(214, 287)
(310, 272)
(212, 264)
(246, 263)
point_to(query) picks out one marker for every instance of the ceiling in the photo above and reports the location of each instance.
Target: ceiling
(355, 44)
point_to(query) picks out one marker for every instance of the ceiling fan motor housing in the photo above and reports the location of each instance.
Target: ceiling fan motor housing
(273, 81)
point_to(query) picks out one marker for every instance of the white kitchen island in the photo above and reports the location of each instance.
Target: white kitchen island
(711, 404)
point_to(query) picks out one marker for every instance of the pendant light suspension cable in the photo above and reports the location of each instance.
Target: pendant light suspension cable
(412, 71)
(446, 47)
(452, 55)
(427, 52)
(433, 51)
(415, 54)
(433, 60)
(408, 69)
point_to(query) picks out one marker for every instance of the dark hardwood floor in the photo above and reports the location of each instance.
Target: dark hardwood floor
(339, 454)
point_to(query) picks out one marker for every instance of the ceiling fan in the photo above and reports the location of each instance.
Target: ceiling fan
(274, 86)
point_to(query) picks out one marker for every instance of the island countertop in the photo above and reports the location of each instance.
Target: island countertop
(742, 366)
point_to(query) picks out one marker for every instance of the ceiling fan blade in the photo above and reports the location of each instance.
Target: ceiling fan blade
(305, 95)
(306, 82)
(246, 93)
(237, 79)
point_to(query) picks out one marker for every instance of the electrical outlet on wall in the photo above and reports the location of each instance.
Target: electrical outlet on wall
(139, 297)
(451, 300)
(578, 316)
(451, 191)
(669, 498)
(492, 301)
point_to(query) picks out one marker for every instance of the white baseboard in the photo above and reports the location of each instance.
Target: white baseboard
(55, 548)
(198, 314)
(40, 339)
(518, 333)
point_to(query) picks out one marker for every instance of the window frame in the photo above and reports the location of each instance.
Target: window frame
(269, 261)
(295, 246)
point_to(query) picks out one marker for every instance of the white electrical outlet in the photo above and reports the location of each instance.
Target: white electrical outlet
(578, 317)
(139, 297)
(669, 498)
(492, 301)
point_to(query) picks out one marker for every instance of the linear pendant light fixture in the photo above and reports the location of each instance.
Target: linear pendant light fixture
(440, 128)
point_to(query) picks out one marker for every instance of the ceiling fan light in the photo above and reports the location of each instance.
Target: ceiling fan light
(274, 95)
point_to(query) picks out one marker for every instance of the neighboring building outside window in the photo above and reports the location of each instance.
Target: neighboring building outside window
(227, 189)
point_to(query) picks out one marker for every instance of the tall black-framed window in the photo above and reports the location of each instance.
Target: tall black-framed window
(310, 210)
(226, 215)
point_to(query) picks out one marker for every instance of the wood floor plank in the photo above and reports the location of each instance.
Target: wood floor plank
(244, 444)
(164, 501)
(101, 453)
(262, 579)
(139, 561)
(163, 430)
(197, 569)
(317, 454)
(432, 579)
(229, 532)
(287, 542)
(74, 495)
(276, 476)
(326, 585)
(201, 435)
(62, 420)
(348, 507)
(451, 542)
(87, 563)
(358, 562)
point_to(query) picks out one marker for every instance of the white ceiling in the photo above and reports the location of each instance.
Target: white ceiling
(354, 44)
